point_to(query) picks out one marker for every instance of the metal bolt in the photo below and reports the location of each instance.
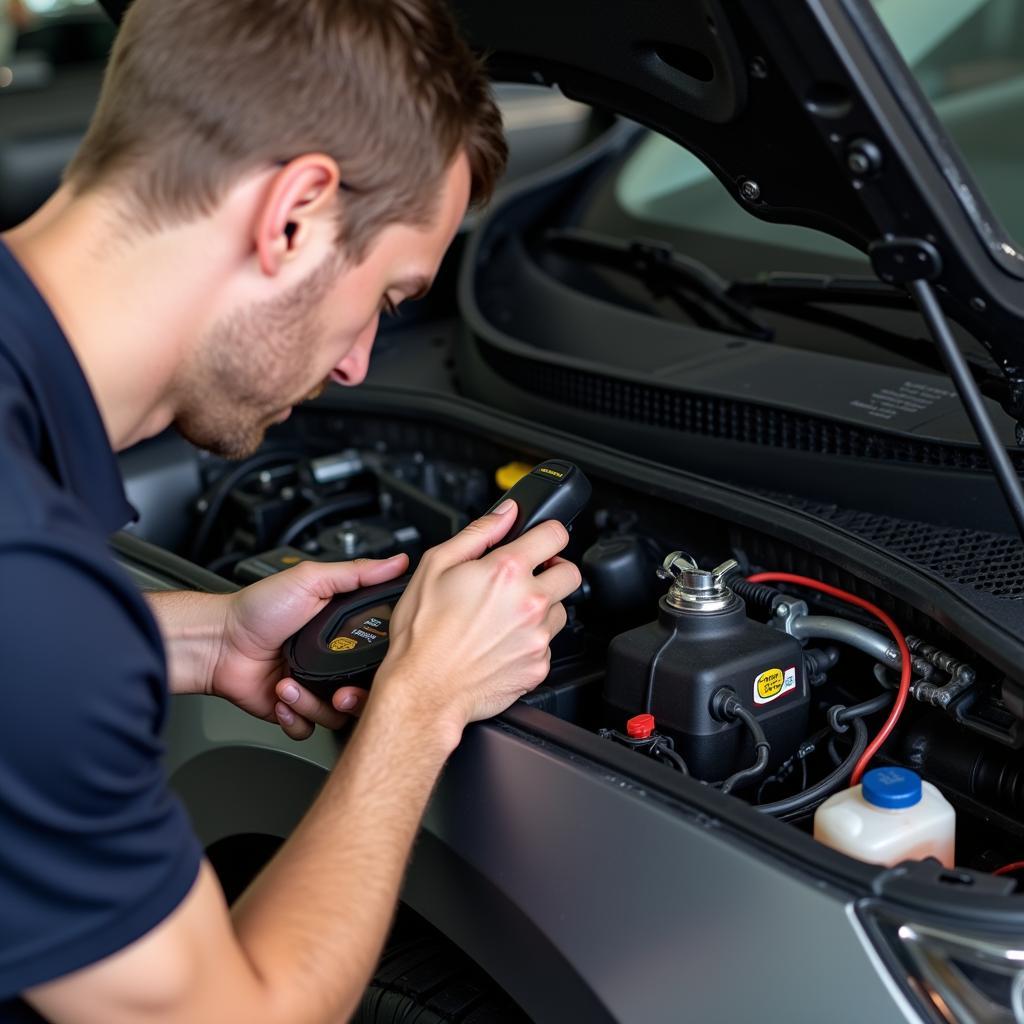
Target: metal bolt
(863, 157)
(750, 190)
(758, 68)
(782, 610)
(858, 163)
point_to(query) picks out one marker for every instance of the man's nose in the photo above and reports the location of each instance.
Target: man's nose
(353, 367)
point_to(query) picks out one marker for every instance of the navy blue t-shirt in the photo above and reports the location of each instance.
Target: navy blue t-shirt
(94, 850)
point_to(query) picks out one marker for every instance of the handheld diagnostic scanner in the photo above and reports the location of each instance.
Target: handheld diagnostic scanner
(344, 643)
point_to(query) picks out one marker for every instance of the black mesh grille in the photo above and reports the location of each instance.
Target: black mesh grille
(728, 419)
(991, 563)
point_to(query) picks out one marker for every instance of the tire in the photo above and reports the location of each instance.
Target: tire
(425, 979)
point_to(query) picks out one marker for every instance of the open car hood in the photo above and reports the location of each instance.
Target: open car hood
(806, 113)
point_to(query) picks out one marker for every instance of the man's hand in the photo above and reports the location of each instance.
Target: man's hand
(250, 669)
(472, 632)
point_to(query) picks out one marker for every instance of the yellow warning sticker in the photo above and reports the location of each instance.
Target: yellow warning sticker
(773, 683)
(342, 643)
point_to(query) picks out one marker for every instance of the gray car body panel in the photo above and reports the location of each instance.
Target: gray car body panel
(585, 896)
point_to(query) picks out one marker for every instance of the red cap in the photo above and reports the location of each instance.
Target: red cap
(640, 727)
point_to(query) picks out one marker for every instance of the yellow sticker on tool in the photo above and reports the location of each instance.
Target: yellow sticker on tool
(342, 643)
(773, 683)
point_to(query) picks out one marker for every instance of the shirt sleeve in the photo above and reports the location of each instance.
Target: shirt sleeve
(94, 849)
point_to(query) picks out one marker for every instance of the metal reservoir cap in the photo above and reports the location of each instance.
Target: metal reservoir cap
(694, 589)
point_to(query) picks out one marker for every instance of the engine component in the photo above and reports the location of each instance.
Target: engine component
(618, 571)
(369, 538)
(703, 641)
(258, 567)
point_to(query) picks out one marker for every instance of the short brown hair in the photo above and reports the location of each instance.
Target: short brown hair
(199, 92)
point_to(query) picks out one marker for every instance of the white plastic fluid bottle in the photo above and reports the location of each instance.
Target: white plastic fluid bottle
(891, 816)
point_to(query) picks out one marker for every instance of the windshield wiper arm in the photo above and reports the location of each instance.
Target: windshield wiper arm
(781, 289)
(696, 288)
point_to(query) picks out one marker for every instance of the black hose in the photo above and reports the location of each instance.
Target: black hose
(762, 747)
(217, 494)
(757, 596)
(344, 503)
(666, 753)
(869, 707)
(829, 784)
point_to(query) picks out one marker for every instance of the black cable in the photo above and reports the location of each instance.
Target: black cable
(344, 503)
(661, 751)
(967, 387)
(222, 488)
(761, 746)
(829, 784)
(868, 707)
(649, 690)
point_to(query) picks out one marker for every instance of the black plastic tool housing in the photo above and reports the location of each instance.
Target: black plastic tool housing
(551, 490)
(344, 643)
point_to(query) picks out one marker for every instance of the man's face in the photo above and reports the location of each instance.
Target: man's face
(255, 363)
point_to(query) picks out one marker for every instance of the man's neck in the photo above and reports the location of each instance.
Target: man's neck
(129, 306)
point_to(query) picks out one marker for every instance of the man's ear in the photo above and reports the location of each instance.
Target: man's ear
(298, 193)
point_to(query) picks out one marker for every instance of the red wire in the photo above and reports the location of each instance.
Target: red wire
(905, 667)
(1007, 868)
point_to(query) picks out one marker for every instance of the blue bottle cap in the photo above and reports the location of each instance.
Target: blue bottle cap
(891, 787)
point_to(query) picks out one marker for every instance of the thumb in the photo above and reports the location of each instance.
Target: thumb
(329, 578)
(474, 540)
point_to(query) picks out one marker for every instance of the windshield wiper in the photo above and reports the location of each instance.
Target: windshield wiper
(694, 287)
(717, 304)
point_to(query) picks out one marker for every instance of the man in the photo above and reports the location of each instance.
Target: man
(261, 178)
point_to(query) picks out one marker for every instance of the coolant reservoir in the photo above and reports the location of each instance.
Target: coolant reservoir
(892, 816)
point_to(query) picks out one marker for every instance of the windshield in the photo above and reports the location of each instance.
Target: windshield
(967, 55)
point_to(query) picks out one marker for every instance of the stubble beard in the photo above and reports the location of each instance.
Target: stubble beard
(252, 367)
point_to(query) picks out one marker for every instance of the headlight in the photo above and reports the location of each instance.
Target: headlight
(957, 977)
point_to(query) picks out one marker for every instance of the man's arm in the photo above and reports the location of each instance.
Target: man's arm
(469, 637)
(303, 940)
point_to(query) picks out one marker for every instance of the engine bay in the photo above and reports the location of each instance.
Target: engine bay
(720, 654)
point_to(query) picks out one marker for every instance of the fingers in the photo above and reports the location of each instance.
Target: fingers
(299, 703)
(538, 545)
(350, 700)
(556, 620)
(294, 726)
(326, 579)
(475, 539)
(559, 580)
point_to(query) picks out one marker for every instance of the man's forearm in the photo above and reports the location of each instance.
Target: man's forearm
(192, 627)
(314, 922)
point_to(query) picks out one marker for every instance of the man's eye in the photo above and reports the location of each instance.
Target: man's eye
(388, 307)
